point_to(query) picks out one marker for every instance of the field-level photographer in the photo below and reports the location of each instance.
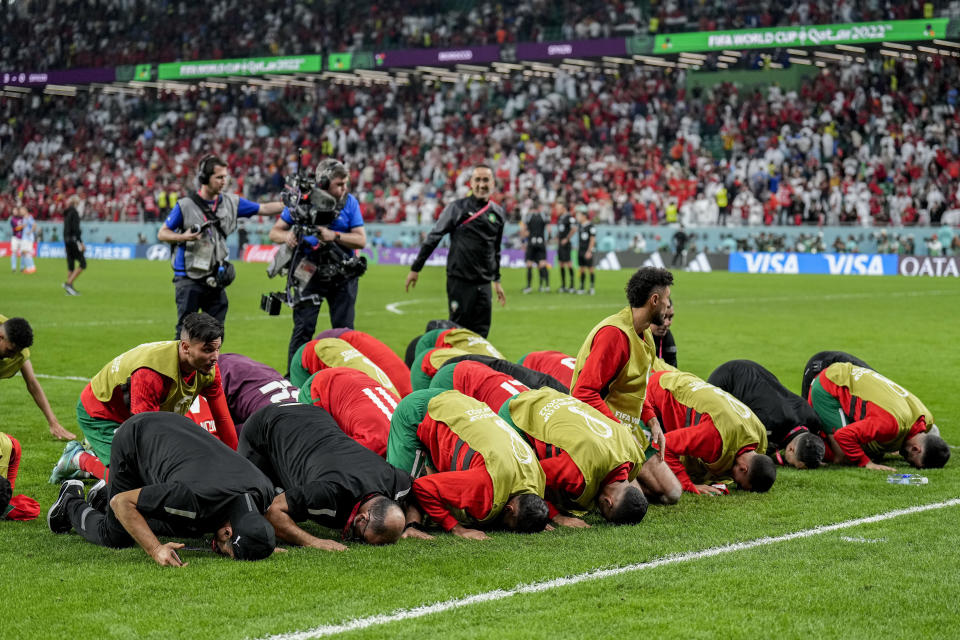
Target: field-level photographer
(318, 258)
(198, 226)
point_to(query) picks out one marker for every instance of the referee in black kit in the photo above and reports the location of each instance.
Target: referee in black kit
(475, 225)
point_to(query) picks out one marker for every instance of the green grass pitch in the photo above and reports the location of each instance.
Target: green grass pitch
(890, 578)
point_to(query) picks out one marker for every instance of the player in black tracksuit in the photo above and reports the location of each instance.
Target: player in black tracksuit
(534, 230)
(566, 228)
(475, 225)
(327, 477)
(180, 482)
(792, 424)
(820, 361)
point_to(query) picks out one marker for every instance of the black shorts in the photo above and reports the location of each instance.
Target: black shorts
(74, 255)
(536, 253)
(584, 261)
(563, 253)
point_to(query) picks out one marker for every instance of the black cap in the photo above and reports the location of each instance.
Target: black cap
(253, 537)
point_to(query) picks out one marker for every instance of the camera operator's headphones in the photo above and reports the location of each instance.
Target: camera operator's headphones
(206, 167)
(325, 171)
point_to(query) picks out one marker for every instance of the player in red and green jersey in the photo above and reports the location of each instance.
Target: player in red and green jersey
(866, 415)
(589, 460)
(381, 355)
(457, 338)
(479, 381)
(325, 353)
(156, 376)
(484, 473)
(553, 363)
(711, 436)
(361, 407)
(612, 368)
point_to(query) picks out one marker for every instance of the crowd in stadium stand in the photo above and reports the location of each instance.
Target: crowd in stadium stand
(37, 35)
(872, 144)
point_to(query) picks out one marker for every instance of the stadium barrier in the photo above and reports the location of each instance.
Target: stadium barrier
(867, 264)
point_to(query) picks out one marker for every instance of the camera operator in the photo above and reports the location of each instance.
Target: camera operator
(345, 233)
(198, 226)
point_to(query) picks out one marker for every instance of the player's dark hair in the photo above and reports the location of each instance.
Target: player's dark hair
(936, 452)
(631, 508)
(18, 332)
(411, 353)
(532, 513)
(810, 450)
(378, 511)
(201, 327)
(762, 474)
(643, 283)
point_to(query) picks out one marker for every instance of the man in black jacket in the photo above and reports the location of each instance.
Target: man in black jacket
(170, 478)
(73, 244)
(475, 225)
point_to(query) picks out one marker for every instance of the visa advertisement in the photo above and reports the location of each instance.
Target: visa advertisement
(835, 264)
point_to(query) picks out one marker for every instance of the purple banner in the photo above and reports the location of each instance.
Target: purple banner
(434, 57)
(509, 258)
(935, 266)
(71, 76)
(571, 49)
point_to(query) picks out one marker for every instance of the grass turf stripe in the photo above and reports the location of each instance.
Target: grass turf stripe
(536, 587)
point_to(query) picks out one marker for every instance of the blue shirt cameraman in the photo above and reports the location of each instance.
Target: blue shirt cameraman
(333, 242)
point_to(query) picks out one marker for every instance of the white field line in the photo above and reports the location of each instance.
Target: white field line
(536, 587)
(50, 377)
(558, 298)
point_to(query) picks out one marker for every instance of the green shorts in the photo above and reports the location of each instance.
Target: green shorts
(306, 392)
(98, 432)
(827, 407)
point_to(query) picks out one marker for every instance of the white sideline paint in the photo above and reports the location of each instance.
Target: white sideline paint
(536, 587)
(394, 307)
(50, 377)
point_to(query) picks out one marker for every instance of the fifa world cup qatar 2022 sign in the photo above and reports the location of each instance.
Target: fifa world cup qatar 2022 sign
(802, 36)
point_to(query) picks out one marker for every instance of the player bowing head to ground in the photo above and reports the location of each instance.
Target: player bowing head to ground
(792, 425)
(169, 478)
(486, 474)
(327, 477)
(866, 416)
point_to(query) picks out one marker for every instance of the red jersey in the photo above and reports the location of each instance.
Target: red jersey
(609, 353)
(466, 485)
(147, 391)
(487, 385)
(553, 363)
(877, 425)
(359, 405)
(382, 356)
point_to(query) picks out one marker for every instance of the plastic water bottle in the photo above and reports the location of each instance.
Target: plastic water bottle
(906, 478)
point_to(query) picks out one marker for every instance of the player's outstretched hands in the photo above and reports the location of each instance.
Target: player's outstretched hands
(472, 534)
(416, 533)
(878, 467)
(708, 490)
(327, 545)
(165, 555)
(569, 521)
(58, 432)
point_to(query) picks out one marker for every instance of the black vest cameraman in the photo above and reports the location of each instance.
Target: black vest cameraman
(331, 243)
